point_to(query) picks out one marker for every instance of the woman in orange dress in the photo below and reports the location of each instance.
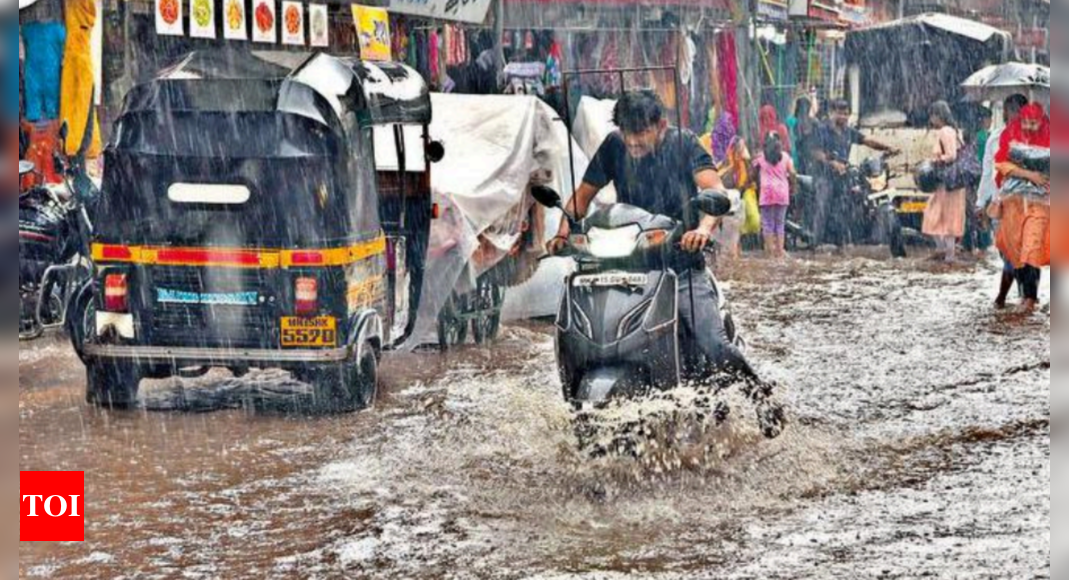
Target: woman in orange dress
(944, 220)
(1024, 231)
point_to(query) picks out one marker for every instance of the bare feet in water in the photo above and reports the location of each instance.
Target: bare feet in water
(1029, 306)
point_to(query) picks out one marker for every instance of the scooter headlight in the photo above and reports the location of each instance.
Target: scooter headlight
(616, 243)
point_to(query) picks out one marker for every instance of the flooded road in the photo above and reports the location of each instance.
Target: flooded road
(919, 447)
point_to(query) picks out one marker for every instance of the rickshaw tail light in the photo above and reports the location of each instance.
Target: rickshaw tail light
(306, 294)
(118, 253)
(116, 293)
(436, 212)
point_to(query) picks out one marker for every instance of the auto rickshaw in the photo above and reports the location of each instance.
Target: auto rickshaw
(244, 224)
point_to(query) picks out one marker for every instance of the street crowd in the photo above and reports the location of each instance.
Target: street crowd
(1004, 204)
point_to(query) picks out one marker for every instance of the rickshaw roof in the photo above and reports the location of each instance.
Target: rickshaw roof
(315, 86)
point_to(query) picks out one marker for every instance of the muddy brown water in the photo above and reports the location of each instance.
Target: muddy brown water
(919, 447)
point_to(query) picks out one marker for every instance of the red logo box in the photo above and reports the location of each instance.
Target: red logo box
(52, 506)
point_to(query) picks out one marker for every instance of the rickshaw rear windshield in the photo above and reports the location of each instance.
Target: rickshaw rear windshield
(215, 179)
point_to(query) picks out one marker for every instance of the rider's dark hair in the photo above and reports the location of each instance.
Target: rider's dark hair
(638, 111)
(803, 108)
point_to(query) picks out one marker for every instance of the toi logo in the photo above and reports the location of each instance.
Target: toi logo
(52, 506)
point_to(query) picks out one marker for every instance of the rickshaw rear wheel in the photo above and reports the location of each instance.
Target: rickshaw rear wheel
(350, 387)
(112, 385)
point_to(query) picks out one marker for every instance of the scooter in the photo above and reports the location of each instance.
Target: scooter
(54, 229)
(618, 330)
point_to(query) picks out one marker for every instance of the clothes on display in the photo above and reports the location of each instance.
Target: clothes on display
(78, 81)
(44, 60)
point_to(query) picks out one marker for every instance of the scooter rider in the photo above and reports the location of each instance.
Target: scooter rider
(660, 169)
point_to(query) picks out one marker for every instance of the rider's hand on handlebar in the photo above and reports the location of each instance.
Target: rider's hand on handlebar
(695, 241)
(839, 167)
(554, 246)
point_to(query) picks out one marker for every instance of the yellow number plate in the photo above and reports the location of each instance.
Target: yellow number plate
(309, 332)
(914, 207)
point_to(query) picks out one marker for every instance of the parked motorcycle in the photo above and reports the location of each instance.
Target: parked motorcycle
(867, 215)
(54, 229)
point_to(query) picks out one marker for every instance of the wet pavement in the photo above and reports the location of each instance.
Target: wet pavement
(919, 447)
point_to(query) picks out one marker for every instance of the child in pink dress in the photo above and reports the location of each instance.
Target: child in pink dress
(775, 175)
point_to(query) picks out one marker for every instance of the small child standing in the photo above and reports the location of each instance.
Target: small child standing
(775, 175)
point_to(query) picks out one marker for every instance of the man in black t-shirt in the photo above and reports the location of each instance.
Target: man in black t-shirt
(829, 162)
(660, 169)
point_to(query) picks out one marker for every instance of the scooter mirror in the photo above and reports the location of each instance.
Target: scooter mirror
(712, 202)
(26, 167)
(546, 196)
(435, 151)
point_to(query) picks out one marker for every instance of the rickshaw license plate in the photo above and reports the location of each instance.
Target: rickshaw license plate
(914, 207)
(610, 280)
(309, 332)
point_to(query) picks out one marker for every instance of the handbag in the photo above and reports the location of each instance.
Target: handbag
(964, 172)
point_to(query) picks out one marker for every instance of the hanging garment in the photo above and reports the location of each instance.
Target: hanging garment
(729, 73)
(554, 65)
(433, 54)
(44, 59)
(79, 82)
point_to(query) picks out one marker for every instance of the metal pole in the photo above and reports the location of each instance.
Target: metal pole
(499, 36)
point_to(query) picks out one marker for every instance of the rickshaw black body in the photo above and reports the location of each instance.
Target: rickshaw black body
(242, 225)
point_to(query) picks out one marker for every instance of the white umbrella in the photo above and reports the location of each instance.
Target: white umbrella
(1000, 81)
(26, 3)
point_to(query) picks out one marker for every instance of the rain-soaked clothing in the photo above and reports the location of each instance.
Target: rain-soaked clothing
(1024, 232)
(830, 188)
(662, 182)
(945, 216)
(44, 58)
(707, 328)
(1024, 227)
(76, 102)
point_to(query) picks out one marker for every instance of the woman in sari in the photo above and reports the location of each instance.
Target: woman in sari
(1024, 230)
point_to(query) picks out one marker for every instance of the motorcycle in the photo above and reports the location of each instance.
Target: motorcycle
(869, 213)
(54, 230)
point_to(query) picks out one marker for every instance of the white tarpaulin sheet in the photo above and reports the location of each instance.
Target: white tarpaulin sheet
(496, 147)
(593, 123)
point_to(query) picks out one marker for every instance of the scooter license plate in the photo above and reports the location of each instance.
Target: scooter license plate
(611, 280)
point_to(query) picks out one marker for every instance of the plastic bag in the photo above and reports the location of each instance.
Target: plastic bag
(752, 225)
